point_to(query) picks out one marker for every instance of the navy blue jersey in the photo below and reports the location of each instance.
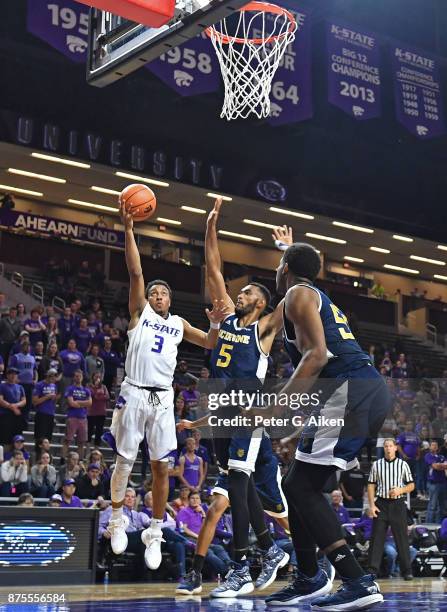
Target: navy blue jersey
(238, 352)
(344, 352)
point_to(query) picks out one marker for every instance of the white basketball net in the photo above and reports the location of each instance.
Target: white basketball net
(249, 48)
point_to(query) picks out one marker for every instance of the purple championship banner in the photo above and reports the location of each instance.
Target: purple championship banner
(63, 24)
(417, 90)
(354, 70)
(291, 95)
(60, 228)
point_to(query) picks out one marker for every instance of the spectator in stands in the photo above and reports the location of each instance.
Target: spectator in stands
(137, 522)
(94, 363)
(25, 363)
(189, 520)
(55, 501)
(183, 500)
(439, 423)
(98, 278)
(121, 322)
(12, 402)
(104, 333)
(45, 395)
(105, 474)
(423, 421)
(408, 444)
(199, 450)
(100, 222)
(425, 397)
(117, 341)
(191, 398)
(421, 465)
(81, 335)
(21, 313)
(35, 327)
(378, 291)
(75, 308)
(72, 360)
(52, 361)
(38, 354)
(52, 334)
(93, 325)
(339, 509)
(203, 382)
(112, 361)
(191, 467)
(26, 500)
(386, 362)
(352, 486)
(18, 443)
(443, 449)
(43, 477)
(173, 463)
(70, 470)
(10, 328)
(43, 445)
(89, 486)
(14, 475)
(182, 377)
(66, 326)
(69, 499)
(96, 413)
(437, 484)
(17, 346)
(397, 370)
(390, 552)
(79, 399)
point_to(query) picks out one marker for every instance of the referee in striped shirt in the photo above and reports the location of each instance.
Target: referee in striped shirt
(390, 480)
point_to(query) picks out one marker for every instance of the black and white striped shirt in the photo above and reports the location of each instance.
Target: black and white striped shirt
(389, 474)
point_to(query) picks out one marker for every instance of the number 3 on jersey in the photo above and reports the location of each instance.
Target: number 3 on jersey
(224, 356)
(158, 344)
(340, 318)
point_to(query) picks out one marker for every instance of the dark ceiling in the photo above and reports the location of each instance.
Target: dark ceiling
(370, 172)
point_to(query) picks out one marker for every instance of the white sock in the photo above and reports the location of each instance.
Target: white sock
(156, 524)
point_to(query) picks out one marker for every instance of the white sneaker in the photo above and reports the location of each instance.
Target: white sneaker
(152, 539)
(117, 528)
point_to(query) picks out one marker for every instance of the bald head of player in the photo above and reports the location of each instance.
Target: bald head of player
(253, 298)
(301, 262)
(159, 296)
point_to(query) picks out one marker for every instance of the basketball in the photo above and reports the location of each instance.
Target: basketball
(139, 200)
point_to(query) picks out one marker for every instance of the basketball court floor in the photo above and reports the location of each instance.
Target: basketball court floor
(423, 595)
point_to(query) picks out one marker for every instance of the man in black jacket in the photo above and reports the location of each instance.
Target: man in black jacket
(10, 328)
(90, 486)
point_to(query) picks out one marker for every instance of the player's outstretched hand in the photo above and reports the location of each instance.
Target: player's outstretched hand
(126, 217)
(214, 214)
(219, 312)
(184, 424)
(283, 235)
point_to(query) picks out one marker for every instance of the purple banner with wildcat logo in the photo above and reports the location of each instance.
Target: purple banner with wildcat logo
(354, 83)
(417, 88)
(63, 24)
(291, 94)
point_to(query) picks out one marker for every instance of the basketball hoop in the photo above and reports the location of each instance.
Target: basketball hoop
(249, 48)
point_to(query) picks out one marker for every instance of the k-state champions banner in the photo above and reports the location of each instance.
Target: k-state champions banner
(59, 227)
(354, 70)
(417, 90)
(63, 24)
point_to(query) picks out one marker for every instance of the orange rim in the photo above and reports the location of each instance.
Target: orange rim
(258, 7)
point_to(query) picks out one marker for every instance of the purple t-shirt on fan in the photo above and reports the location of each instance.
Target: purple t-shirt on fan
(40, 390)
(191, 473)
(11, 393)
(72, 361)
(409, 443)
(436, 476)
(74, 503)
(83, 338)
(79, 394)
(37, 335)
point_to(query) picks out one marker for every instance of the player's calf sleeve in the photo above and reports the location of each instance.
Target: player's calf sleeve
(238, 493)
(256, 512)
(120, 479)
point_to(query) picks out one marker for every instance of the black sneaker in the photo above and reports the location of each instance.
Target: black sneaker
(301, 589)
(191, 584)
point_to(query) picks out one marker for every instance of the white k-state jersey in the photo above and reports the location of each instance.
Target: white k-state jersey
(152, 353)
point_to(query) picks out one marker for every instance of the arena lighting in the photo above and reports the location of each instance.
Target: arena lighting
(380, 250)
(92, 205)
(38, 194)
(171, 221)
(236, 235)
(219, 195)
(61, 160)
(293, 213)
(260, 224)
(355, 259)
(402, 238)
(42, 177)
(440, 277)
(435, 262)
(399, 269)
(105, 190)
(143, 179)
(326, 238)
(442, 247)
(199, 211)
(357, 228)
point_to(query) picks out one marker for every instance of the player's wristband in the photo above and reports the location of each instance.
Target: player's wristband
(282, 246)
(214, 325)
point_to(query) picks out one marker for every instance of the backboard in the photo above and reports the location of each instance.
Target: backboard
(118, 47)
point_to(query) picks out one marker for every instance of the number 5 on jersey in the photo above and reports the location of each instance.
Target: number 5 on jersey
(224, 356)
(340, 318)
